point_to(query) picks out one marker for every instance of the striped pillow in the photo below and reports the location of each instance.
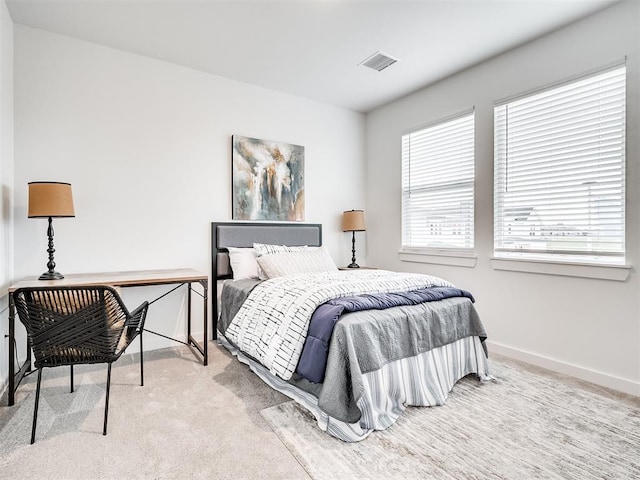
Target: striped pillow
(263, 249)
(291, 263)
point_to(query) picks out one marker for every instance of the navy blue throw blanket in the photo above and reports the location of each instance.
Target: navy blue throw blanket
(313, 359)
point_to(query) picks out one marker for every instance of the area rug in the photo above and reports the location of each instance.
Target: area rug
(528, 424)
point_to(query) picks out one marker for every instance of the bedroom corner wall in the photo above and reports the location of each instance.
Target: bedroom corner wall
(6, 181)
(584, 327)
(146, 146)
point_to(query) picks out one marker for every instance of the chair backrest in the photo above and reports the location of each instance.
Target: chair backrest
(72, 325)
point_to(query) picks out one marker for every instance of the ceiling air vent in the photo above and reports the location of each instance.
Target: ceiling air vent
(378, 61)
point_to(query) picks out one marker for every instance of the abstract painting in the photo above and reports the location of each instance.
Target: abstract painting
(268, 180)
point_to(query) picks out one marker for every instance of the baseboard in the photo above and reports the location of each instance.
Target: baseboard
(598, 378)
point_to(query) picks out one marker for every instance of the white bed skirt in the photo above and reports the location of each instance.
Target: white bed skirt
(423, 380)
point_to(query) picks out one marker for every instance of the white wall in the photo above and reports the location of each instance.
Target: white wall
(586, 327)
(6, 178)
(146, 146)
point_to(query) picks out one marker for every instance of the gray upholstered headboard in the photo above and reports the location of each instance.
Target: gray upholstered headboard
(244, 234)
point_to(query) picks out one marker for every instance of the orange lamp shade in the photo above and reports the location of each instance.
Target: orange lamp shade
(50, 199)
(353, 221)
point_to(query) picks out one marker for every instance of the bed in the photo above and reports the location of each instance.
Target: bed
(406, 350)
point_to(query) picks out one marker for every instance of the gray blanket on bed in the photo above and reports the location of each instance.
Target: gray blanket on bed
(365, 341)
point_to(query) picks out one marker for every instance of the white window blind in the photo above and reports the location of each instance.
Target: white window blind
(559, 172)
(437, 186)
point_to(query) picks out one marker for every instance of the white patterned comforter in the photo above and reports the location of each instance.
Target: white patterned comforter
(272, 324)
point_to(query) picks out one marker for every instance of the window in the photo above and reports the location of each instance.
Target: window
(559, 172)
(437, 185)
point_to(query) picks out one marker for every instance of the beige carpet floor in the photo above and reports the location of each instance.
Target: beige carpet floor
(188, 421)
(222, 422)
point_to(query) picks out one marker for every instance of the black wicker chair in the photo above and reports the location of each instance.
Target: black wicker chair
(78, 325)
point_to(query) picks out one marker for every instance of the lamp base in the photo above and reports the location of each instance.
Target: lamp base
(353, 265)
(51, 276)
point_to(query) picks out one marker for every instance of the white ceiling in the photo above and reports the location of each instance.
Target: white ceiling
(311, 48)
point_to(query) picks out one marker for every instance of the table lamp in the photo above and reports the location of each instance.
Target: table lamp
(48, 200)
(353, 221)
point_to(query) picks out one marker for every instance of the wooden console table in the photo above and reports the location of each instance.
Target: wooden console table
(114, 279)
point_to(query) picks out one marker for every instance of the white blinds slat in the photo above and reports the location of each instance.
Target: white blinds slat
(437, 185)
(559, 171)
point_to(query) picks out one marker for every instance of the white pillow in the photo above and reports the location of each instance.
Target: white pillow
(243, 263)
(267, 249)
(291, 263)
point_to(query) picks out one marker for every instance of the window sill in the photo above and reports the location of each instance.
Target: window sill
(456, 259)
(618, 273)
